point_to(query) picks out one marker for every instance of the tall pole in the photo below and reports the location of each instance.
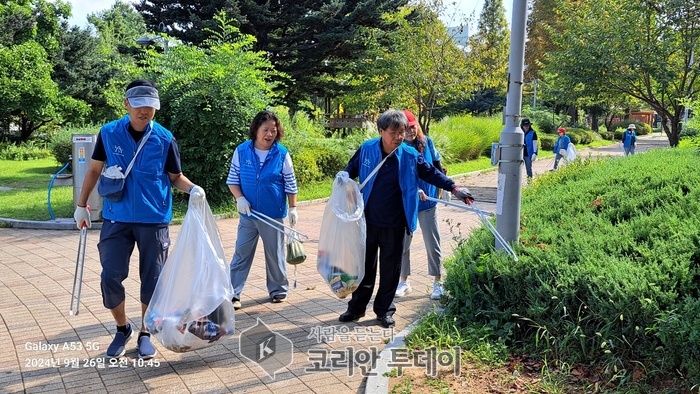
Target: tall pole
(511, 143)
(534, 97)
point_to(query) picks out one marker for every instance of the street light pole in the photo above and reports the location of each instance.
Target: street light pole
(511, 143)
(534, 97)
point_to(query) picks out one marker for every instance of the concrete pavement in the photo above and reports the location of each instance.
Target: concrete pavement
(46, 350)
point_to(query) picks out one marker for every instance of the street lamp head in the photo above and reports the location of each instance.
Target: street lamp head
(145, 41)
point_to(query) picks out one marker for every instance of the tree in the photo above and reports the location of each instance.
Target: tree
(31, 99)
(81, 70)
(644, 50)
(422, 68)
(118, 29)
(208, 98)
(489, 49)
(309, 41)
(188, 20)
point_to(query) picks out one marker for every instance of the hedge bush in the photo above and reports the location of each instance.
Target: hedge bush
(29, 150)
(608, 272)
(61, 143)
(464, 138)
(620, 127)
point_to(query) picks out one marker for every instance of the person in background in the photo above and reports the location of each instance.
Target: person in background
(530, 146)
(427, 214)
(560, 146)
(261, 177)
(629, 139)
(391, 210)
(142, 215)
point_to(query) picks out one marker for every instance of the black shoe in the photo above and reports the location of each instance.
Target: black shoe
(279, 298)
(348, 317)
(386, 321)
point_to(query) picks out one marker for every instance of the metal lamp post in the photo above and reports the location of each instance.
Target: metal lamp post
(512, 138)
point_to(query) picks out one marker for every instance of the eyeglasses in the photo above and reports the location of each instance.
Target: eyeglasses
(396, 134)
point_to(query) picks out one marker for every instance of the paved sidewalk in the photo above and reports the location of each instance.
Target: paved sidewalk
(46, 350)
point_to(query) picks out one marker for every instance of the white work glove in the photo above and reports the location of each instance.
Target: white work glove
(82, 215)
(197, 193)
(342, 175)
(293, 216)
(446, 195)
(533, 157)
(463, 194)
(243, 206)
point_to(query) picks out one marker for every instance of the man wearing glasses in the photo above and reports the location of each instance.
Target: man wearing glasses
(391, 210)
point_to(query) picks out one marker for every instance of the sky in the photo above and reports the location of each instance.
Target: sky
(463, 8)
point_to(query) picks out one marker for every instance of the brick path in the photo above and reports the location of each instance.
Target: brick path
(36, 276)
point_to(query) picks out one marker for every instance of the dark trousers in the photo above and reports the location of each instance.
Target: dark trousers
(387, 244)
(116, 244)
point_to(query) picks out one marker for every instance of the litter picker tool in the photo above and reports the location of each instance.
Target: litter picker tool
(461, 206)
(79, 266)
(482, 215)
(293, 233)
(495, 233)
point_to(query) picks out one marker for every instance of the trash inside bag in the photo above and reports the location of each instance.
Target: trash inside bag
(191, 305)
(341, 244)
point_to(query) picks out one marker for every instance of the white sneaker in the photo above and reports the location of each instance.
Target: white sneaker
(438, 291)
(403, 288)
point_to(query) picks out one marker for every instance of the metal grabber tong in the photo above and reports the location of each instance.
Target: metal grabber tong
(293, 233)
(482, 215)
(79, 265)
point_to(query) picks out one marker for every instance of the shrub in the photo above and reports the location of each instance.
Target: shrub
(605, 274)
(28, 150)
(208, 98)
(465, 137)
(305, 167)
(547, 141)
(61, 143)
(620, 127)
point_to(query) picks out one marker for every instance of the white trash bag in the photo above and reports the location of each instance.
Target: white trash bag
(571, 153)
(191, 305)
(342, 243)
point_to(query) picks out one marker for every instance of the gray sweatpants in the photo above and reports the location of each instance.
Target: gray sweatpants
(429, 222)
(249, 231)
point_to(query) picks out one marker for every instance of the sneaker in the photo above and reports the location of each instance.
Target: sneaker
(349, 317)
(403, 288)
(118, 346)
(386, 321)
(236, 303)
(145, 347)
(279, 298)
(438, 291)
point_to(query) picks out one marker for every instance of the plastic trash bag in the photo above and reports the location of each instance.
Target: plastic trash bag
(342, 243)
(191, 305)
(571, 153)
(295, 252)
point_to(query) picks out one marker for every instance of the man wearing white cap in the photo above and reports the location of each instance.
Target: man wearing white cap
(629, 139)
(148, 155)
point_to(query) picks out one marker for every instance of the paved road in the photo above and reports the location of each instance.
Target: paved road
(36, 276)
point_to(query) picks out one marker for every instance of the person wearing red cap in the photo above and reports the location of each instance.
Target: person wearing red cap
(427, 214)
(560, 146)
